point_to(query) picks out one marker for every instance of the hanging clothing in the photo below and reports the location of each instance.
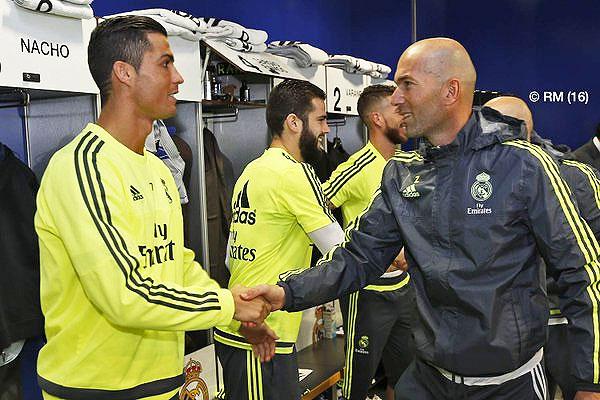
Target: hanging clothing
(218, 202)
(329, 161)
(160, 143)
(323, 168)
(185, 151)
(20, 312)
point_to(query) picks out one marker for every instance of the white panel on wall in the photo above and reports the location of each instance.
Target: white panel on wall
(315, 75)
(42, 51)
(188, 63)
(343, 90)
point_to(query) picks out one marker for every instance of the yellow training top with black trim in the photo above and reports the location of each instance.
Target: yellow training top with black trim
(276, 202)
(353, 182)
(118, 288)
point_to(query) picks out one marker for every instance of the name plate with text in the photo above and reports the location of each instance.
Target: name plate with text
(43, 51)
(343, 90)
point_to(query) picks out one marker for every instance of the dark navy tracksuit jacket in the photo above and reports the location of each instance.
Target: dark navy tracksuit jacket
(474, 217)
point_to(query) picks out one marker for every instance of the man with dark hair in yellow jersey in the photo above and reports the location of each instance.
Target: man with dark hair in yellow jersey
(377, 318)
(278, 210)
(118, 288)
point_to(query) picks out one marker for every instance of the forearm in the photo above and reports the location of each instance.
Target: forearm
(369, 249)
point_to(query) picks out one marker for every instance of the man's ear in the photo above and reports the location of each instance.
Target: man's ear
(377, 119)
(451, 91)
(293, 123)
(123, 72)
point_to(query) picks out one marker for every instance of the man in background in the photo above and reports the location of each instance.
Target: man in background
(377, 318)
(589, 153)
(278, 211)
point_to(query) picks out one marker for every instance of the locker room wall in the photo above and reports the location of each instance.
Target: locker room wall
(53, 123)
(549, 45)
(245, 138)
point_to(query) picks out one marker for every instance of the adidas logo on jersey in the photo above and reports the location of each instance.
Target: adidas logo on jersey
(241, 214)
(135, 194)
(411, 192)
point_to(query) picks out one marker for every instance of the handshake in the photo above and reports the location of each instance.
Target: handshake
(252, 306)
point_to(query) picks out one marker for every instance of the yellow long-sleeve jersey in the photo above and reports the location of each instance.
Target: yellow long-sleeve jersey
(118, 288)
(276, 202)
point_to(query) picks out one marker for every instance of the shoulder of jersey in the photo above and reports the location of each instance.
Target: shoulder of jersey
(289, 158)
(280, 165)
(581, 168)
(407, 156)
(64, 156)
(289, 164)
(281, 160)
(363, 156)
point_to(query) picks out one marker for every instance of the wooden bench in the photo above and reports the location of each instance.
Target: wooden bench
(326, 360)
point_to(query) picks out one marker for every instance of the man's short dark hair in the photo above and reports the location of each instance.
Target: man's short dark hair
(291, 97)
(370, 97)
(123, 38)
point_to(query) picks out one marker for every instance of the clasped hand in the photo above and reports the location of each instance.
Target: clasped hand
(252, 306)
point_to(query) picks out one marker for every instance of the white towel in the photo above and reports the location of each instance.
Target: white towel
(355, 65)
(350, 64)
(240, 45)
(187, 26)
(174, 30)
(341, 61)
(57, 7)
(304, 54)
(381, 68)
(159, 142)
(221, 28)
(363, 66)
(174, 17)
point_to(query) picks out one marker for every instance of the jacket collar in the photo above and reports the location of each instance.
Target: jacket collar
(484, 128)
(562, 152)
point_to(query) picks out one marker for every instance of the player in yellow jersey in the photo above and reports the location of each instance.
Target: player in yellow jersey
(118, 288)
(377, 319)
(278, 210)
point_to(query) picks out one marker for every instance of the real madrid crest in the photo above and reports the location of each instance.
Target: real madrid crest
(194, 388)
(363, 342)
(363, 345)
(481, 190)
